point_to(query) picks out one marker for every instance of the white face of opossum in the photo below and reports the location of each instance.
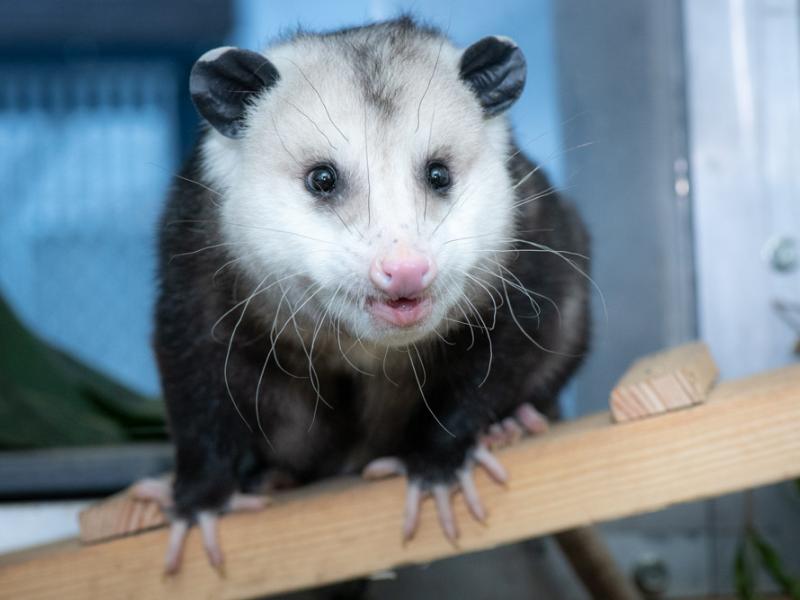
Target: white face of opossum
(364, 173)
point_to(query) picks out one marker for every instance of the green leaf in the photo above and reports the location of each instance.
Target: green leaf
(48, 398)
(773, 565)
(744, 573)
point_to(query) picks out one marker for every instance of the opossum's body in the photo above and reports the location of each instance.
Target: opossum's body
(275, 349)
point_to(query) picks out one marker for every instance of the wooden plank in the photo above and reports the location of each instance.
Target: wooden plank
(117, 516)
(670, 380)
(746, 434)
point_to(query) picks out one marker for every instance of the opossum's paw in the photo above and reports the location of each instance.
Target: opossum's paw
(525, 420)
(160, 491)
(441, 489)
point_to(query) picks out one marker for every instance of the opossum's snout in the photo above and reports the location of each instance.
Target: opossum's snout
(401, 276)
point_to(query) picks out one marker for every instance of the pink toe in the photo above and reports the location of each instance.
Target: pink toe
(177, 539)
(531, 419)
(411, 519)
(444, 508)
(491, 464)
(208, 528)
(471, 496)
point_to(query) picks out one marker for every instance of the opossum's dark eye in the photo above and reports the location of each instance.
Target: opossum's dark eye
(321, 180)
(438, 176)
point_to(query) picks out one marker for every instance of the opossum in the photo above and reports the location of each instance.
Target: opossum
(359, 271)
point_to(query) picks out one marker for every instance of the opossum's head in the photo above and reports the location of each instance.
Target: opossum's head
(364, 172)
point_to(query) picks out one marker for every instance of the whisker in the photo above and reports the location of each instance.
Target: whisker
(430, 80)
(316, 91)
(422, 393)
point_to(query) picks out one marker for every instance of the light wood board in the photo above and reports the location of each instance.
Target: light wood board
(746, 434)
(677, 378)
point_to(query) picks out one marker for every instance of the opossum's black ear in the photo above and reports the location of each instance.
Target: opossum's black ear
(222, 82)
(494, 68)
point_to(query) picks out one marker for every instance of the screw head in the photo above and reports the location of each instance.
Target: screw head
(782, 253)
(651, 576)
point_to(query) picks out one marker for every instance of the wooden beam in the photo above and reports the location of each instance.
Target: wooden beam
(746, 434)
(670, 380)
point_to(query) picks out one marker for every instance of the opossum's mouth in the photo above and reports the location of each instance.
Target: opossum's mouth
(401, 312)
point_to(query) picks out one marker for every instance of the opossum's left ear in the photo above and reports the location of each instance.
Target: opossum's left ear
(222, 82)
(494, 68)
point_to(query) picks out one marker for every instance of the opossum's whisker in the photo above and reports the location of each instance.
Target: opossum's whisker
(346, 226)
(430, 81)
(491, 296)
(344, 354)
(421, 365)
(537, 196)
(477, 313)
(526, 291)
(564, 255)
(525, 333)
(248, 299)
(449, 211)
(322, 319)
(442, 338)
(228, 264)
(256, 228)
(187, 180)
(492, 234)
(427, 157)
(199, 250)
(547, 160)
(312, 121)
(316, 91)
(385, 374)
(274, 333)
(228, 353)
(366, 160)
(282, 143)
(516, 284)
(422, 393)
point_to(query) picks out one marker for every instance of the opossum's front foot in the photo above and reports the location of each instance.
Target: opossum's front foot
(525, 420)
(442, 489)
(160, 491)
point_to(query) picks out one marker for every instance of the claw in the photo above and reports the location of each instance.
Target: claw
(471, 496)
(444, 509)
(177, 537)
(208, 528)
(493, 466)
(413, 502)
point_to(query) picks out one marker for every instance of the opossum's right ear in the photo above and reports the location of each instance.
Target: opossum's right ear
(222, 82)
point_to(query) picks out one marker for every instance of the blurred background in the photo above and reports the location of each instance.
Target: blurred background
(673, 125)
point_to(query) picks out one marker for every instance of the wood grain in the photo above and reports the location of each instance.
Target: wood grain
(117, 516)
(746, 434)
(670, 380)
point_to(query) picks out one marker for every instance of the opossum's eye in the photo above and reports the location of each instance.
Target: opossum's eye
(321, 180)
(438, 176)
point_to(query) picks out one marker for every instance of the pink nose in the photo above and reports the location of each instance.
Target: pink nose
(402, 274)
